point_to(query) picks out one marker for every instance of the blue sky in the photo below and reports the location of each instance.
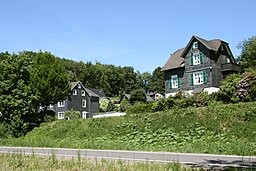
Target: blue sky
(138, 33)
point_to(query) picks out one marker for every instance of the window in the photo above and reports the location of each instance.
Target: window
(174, 82)
(79, 86)
(196, 58)
(198, 78)
(228, 60)
(61, 103)
(83, 103)
(84, 114)
(75, 92)
(195, 45)
(51, 106)
(83, 93)
(61, 115)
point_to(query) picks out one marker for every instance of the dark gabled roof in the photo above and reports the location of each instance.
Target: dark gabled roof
(89, 92)
(99, 92)
(211, 44)
(177, 58)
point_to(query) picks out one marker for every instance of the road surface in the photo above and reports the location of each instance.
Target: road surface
(204, 160)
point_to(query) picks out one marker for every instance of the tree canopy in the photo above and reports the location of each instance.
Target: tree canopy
(28, 80)
(247, 58)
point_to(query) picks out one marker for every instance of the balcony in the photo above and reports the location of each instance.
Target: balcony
(229, 67)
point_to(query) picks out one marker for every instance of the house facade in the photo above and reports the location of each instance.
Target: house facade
(80, 99)
(200, 66)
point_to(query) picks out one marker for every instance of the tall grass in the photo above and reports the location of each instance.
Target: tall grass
(30, 163)
(218, 129)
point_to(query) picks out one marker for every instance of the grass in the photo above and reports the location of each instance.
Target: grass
(215, 129)
(21, 162)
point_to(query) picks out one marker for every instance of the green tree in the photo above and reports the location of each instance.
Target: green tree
(16, 96)
(146, 77)
(49, 81)
(137, 95)
(156, 83)
(247, 58)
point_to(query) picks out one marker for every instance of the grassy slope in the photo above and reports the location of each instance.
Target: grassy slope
(220, 129)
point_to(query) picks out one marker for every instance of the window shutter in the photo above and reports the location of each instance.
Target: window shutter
(201, 57)
(191, 59)
(204, 77)
(178, 82)
(170, 83)
(191, 80)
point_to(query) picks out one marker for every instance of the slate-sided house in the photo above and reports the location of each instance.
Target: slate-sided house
(200, 66)
(80, 99)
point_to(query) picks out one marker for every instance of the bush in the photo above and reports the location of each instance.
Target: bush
(72, 115)
(140, 108)
(106, 105)
(124, 105)
(180, 101)
(227, 91)
(4, 131)
(137, 96)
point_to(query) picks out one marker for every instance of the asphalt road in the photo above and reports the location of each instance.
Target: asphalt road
(205, 160)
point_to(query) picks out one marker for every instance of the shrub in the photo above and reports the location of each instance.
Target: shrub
(124, 105)
(227, 91)
(140, 108)
(4, 131)
(106, 105)
(138, 96)
(72, 115)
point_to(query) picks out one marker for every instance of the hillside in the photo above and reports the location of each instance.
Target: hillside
(219, 129)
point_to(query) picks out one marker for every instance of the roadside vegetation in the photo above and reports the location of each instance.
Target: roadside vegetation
(30, 163)
(217, 129)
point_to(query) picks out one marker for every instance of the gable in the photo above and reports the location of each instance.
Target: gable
(75, 85)
(210, 45)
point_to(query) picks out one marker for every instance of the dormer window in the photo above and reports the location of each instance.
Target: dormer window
(83, 93)
(228, 60)
(74, 92)
(195, 45)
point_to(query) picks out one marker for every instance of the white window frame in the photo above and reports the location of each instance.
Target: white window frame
(198, 78)
(84, 113)
(78, 85)
(228, 60)
(61, 115)
(196, 58)
(61, 103)
(51, 106)
(83, 93)
(83, 103)
(195, 45)
(175, 82)
(74, 92)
